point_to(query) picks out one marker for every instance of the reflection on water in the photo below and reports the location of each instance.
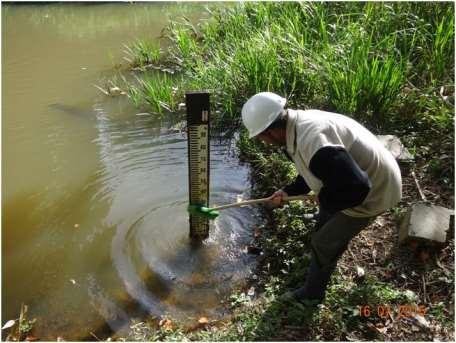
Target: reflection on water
(94, 225)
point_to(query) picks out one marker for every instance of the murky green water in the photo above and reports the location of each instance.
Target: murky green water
(94, 222)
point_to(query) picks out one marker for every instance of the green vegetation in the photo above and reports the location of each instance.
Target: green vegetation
(388, 65)
(20, 329)
(142, 53)
(360, 59)
(157, 91)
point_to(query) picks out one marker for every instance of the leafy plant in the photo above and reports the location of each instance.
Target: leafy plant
(142, 53)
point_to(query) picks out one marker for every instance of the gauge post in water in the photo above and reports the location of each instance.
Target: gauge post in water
(198, 113)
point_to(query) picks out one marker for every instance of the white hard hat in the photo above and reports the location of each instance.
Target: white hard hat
(260, 111)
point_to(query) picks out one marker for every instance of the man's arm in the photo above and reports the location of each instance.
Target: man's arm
(345, 185)
(297, 187)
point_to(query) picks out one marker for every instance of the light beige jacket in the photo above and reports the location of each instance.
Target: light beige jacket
(309, 131)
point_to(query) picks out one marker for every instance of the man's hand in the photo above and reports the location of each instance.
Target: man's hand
(277, 199)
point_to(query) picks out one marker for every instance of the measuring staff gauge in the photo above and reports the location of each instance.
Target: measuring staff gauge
(198, 114)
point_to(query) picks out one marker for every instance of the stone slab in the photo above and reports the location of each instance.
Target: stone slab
(395, 146)
(426, 221)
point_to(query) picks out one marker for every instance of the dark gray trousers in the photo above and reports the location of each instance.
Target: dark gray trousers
(329, 241)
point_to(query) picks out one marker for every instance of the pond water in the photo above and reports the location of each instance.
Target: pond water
(94, 221)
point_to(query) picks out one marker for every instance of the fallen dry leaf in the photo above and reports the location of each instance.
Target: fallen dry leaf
(9, 324)
(360, 271)
(380, 221)
(166, 324)
(203, 321)
(415, 328)
(382, 330)
(421, 321)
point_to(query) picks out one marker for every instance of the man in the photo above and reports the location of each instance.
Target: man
(354, 176)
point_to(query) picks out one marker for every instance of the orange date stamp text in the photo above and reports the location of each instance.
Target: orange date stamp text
(398, 311)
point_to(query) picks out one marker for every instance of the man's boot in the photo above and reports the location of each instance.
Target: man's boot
(315, 285)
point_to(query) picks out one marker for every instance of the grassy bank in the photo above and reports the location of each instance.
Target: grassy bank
(390, 66)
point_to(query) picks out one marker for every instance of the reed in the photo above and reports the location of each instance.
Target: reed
(157, 92)
(142, 53)
(355, 58)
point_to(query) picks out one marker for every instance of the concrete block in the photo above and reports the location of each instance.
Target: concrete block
(425, 221)
(394, 145)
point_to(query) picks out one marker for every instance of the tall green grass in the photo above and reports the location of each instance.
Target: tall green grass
(157, 92)
(357, 58)
(142, 53)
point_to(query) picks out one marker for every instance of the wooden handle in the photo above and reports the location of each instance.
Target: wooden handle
(423, 197)
(257, 201)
